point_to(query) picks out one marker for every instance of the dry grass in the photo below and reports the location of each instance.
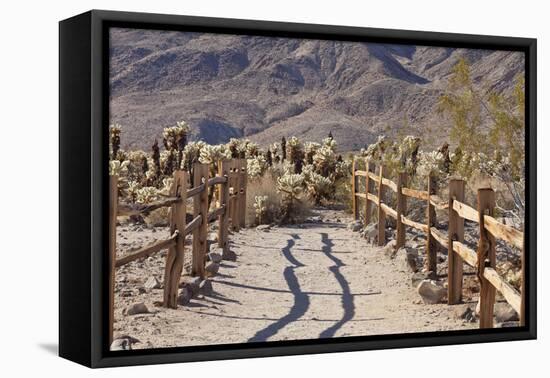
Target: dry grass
(265, 185)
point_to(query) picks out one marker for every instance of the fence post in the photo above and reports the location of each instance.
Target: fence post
(175, 256)
(401, 210)
(431, 243)
(456, 233)
(354, 208)
(113, 204)
(200, 207)
(242, 193)
(235, 225)
(381, 213)
(223, 171)
(369, 167)
(486, 257)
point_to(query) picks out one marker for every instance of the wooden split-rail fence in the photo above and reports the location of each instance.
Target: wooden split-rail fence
(483, 260)
(230, 212)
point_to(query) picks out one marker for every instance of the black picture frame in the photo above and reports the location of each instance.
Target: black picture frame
(83, 182)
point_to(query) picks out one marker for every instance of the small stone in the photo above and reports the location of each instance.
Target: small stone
(121, 344)
(431, 291)
(355, 226)
(215, 257)
(184, 296)
(505, 313)
(192, 285)
(371, 233)
(389, 249)
(212, 268)
(263, 227)
(152, 283)
(137, 308)
(205, 288)
(466, 313)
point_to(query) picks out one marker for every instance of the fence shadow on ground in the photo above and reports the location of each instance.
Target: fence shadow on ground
(301, 299)
(347, 298)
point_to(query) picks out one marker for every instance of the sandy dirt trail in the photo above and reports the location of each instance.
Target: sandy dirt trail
(309, 281)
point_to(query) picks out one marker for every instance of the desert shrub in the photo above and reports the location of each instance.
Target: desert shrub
(158, 217)
(263, 186)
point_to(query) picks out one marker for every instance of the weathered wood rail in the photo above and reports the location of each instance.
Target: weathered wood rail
(483, 260)
(229, 209)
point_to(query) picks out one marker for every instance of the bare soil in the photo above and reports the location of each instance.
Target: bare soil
(308, 281)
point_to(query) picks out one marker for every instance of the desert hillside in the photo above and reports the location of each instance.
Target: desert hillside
(262, 88)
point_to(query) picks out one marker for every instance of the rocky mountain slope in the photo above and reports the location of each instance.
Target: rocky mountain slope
(265, 88)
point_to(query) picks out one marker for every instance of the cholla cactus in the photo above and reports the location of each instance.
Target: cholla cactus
(256, 166)
(260, 207)
(376, 152)
(318, 187)
(175, 137)
(407, 154)
(295, 153)
(324, 160)
(114, 138)
(118, 168)
(132, 190)
(212, 154)
(251, 149)
(431, 163)
(310, 150)
(155, 175)
(146, 194)
(168, 161)
(330, 143)
(290, 185)
(237, 147)
(167, 183)
(138, 165)
(191, 154)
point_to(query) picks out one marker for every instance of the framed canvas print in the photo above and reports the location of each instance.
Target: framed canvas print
(234, 188)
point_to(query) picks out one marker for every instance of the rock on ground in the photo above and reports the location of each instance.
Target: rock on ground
(212, 268)
(205, 288)
(431, 291)
(371, 233)
(192, 284)
(184, 296)
(505, 313)
(215, 257)
(465, 313)
(389, 249)
(152, 283)
(137, 308)
(355, 226)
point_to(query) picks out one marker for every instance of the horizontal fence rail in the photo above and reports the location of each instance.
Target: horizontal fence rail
(458, 252)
